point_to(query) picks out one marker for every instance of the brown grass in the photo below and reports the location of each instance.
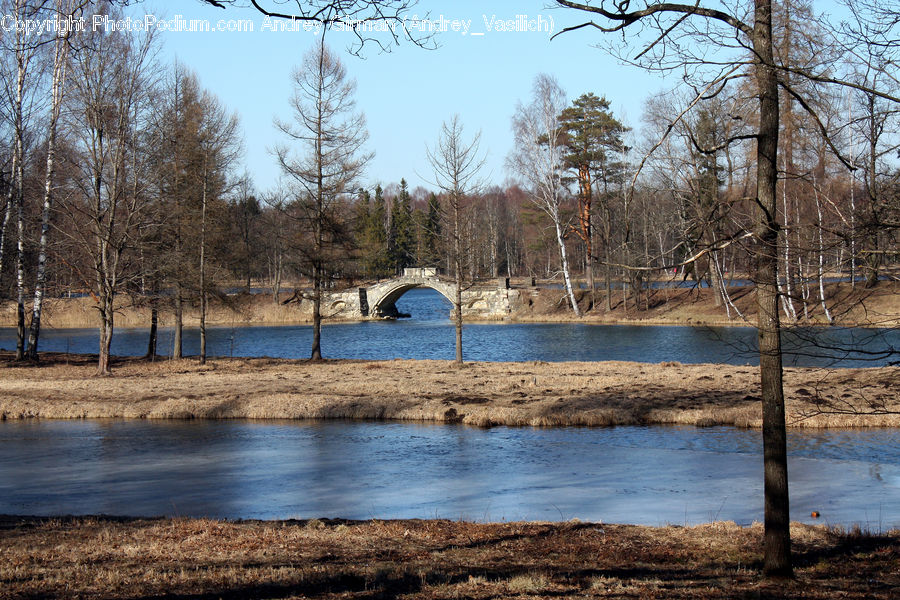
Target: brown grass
(850, 307)
(482, 394)
(237, 310)
(200, 559)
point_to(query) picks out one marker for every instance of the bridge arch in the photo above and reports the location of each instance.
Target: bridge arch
(382, 300)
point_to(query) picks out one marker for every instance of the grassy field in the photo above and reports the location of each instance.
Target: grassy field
(481, 394)
(204, 559)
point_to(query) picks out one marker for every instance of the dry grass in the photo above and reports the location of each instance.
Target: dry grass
(850, 307)
(481, 394)
(200, 559)
(237, 310)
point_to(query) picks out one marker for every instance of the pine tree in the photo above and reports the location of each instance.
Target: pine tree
(430, 234)
(373, 236)
(591, 137)
(403, 242)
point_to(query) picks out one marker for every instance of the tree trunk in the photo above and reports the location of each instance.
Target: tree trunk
(203, 267)
(106, 333)
(59, 77)
(17, 185)
(777, 547)
(177, 346)
(565, 266)
(872, 260)
(607, 231)
(457, 298)
(820, 272)
(316, 353)
(154, 329)
(202, 327)
(715, 281)
(6, 213)
(276, 278)
(589, 268)
(20, 270)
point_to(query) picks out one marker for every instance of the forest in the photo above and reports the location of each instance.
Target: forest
(123, 177)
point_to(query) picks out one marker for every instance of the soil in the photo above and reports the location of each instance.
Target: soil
(102, 557)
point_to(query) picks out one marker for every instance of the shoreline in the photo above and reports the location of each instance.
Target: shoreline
(534, 394)
(877, 307)
(122, 558)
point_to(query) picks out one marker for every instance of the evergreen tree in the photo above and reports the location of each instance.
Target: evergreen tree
(591, 136)
(403, 242)
(363, 210)
(373, 236)
(430, 234)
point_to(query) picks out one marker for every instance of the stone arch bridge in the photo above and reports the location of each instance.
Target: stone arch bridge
(377, 301)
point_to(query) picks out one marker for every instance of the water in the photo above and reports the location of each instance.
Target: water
(430, 335)
(277, 470)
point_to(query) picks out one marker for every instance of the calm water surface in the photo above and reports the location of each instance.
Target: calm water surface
(275, 470)
(429, 335)
(655, 475)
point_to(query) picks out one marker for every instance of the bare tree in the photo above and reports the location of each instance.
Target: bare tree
(457, 164)
(103, 217)
(330, 136)
(537, 157)
(671, 34)
(174, 138)
(356, 14)
(219, 146)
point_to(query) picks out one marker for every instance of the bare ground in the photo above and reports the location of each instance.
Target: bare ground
(481, 394)
(204, 559)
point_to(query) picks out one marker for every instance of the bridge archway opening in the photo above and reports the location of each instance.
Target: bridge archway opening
(427, 303)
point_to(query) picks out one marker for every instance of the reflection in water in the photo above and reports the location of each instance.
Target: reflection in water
(430, 335)
(268, 470)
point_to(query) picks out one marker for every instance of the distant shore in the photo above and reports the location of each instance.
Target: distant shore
(480, 394)
(849, 307)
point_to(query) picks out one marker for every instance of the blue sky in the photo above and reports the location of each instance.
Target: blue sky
(408, 93)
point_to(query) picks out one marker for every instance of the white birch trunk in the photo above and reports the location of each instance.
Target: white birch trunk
(565, 265)
(57, 87)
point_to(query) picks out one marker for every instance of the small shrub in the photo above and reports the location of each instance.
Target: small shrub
(528, 584)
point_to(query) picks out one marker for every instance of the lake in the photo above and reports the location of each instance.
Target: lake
(429, 334)
(279, 470)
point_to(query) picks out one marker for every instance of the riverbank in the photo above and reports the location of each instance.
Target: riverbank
(480, 394)
(189, 558)
(849, 307)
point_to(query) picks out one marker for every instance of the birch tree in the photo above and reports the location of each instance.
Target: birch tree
(63, 9)
(20, 76)
(537, 157)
